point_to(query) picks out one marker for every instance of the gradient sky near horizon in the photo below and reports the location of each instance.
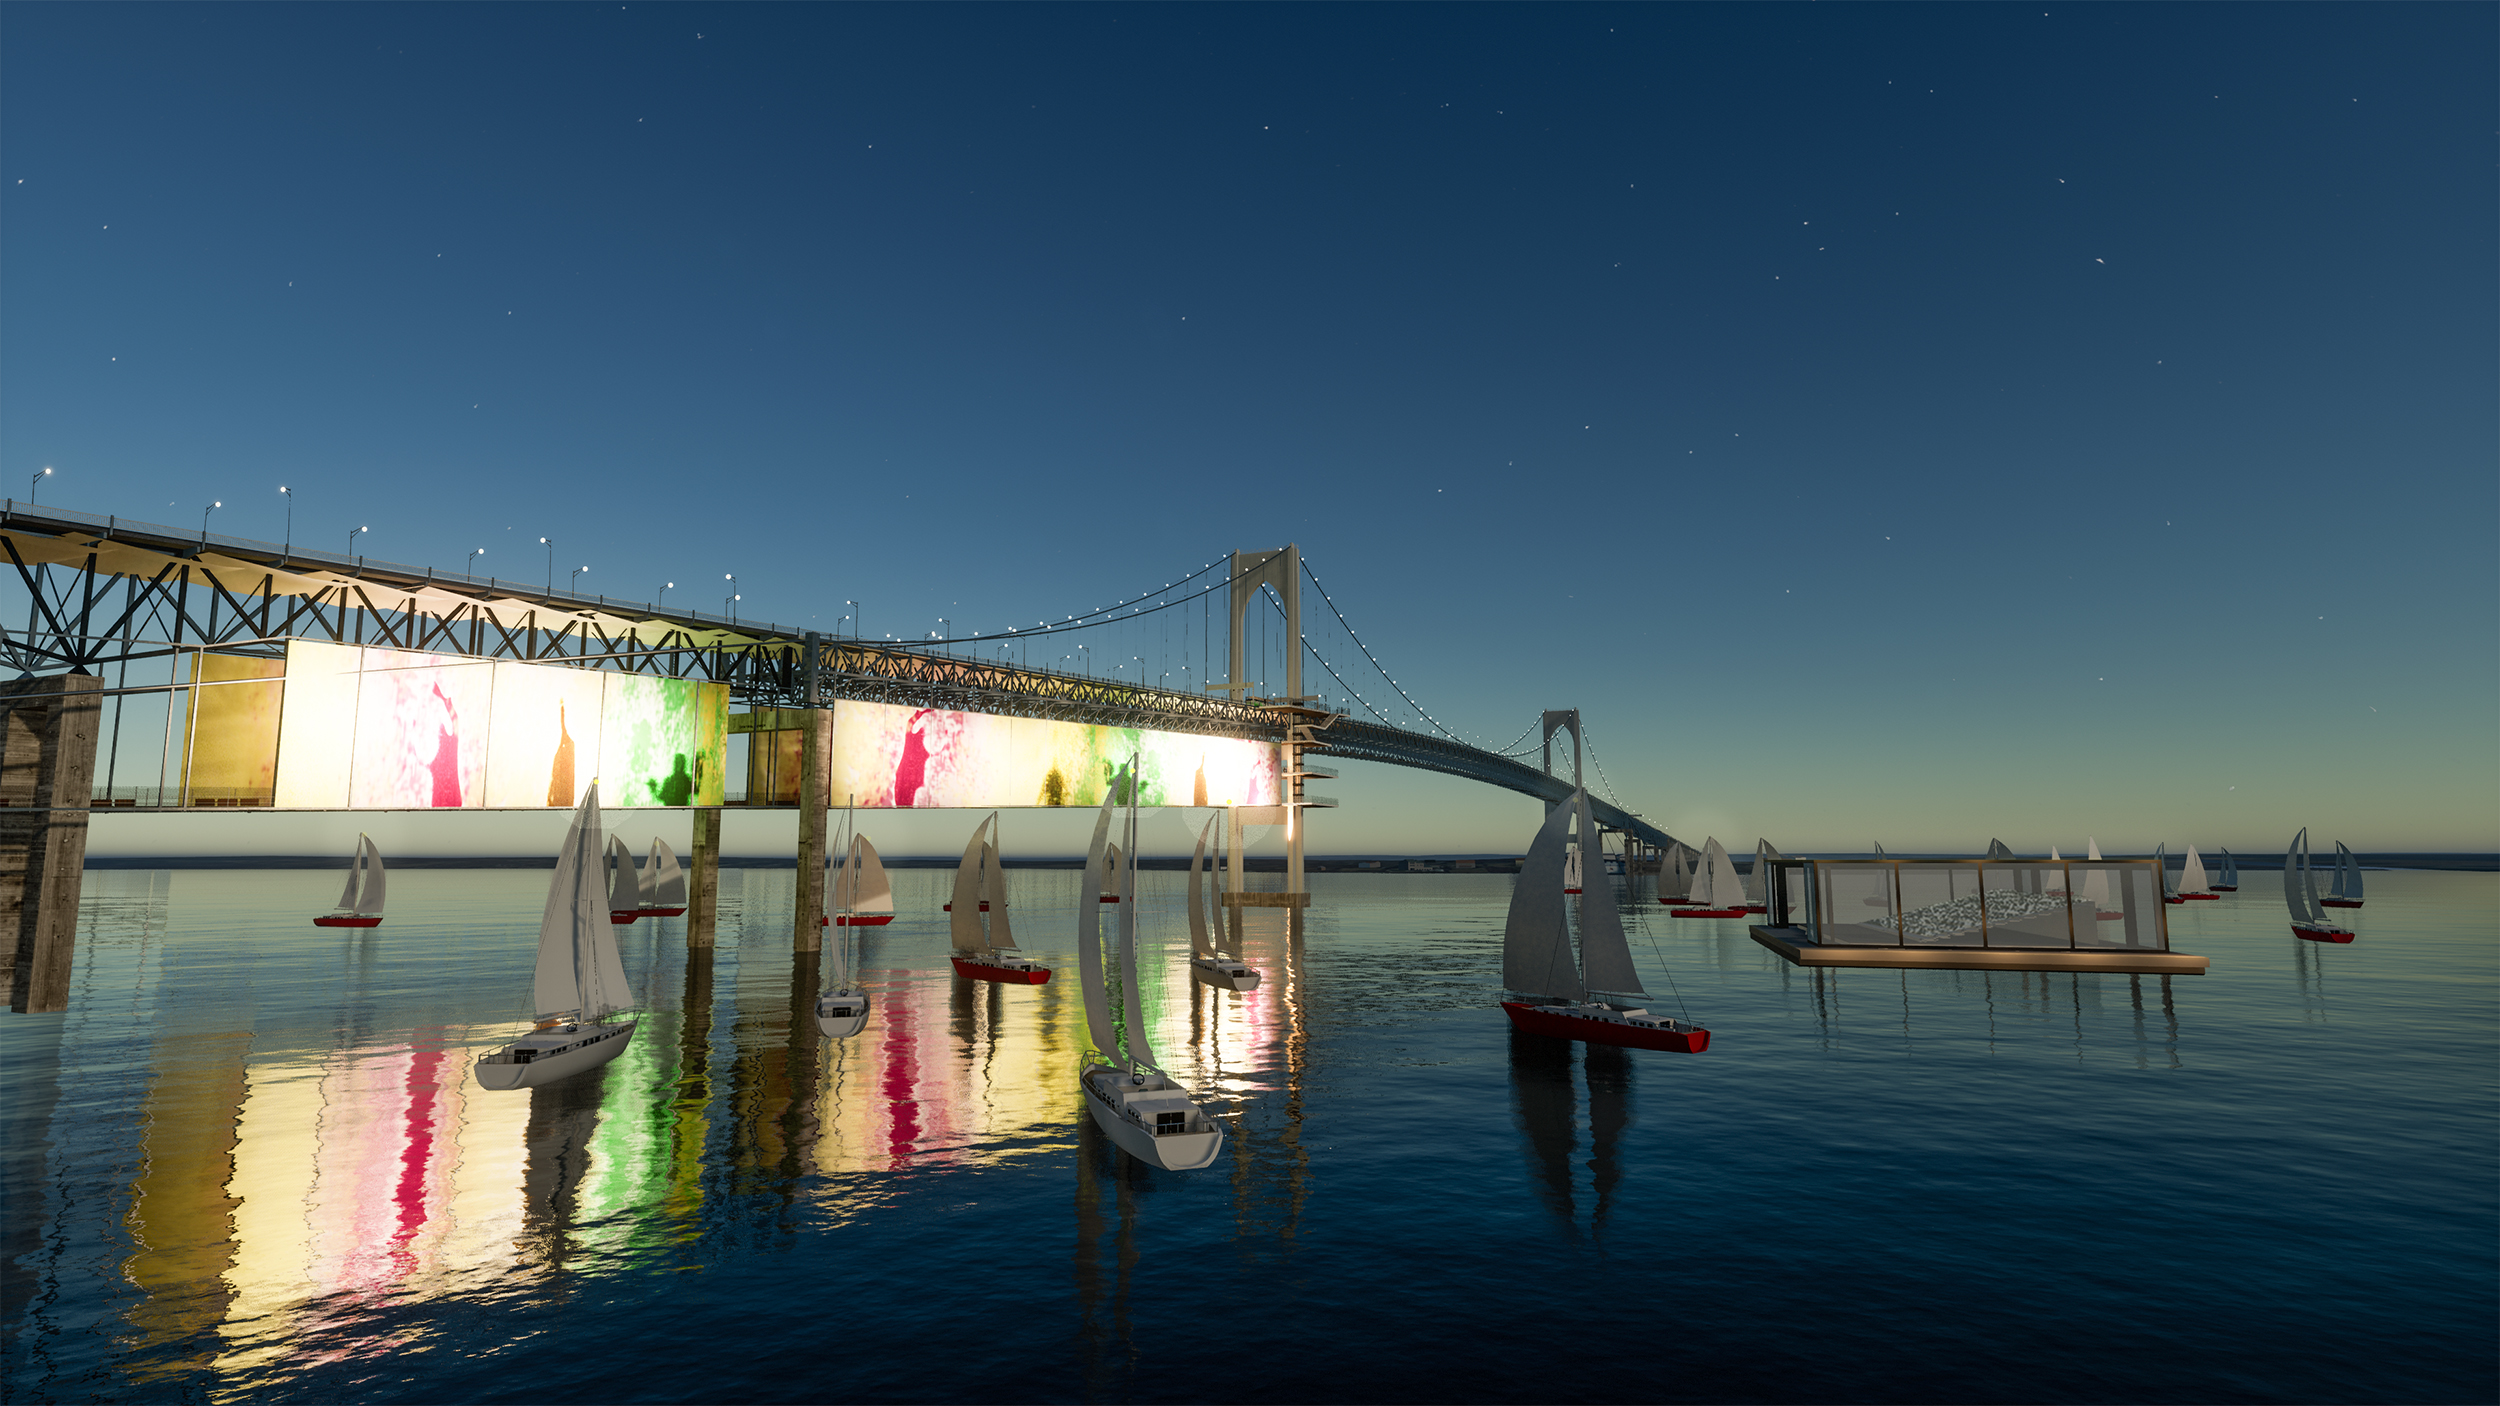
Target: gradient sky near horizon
(1902, 423)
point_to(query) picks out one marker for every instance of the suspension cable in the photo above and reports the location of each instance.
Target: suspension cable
(1367, 653)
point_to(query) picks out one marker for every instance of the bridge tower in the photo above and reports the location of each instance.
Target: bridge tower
(1278, 569)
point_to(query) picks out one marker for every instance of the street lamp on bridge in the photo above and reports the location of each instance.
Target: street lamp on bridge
(204, 512)
(45, 473)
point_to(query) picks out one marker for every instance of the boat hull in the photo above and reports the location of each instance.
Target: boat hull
(2339, 902)
(622, 916)
(1214, 974)
(597, 1044)
(2197, 897)
(350, 921)
(856, 920)
(1708, 913)
(663, 912)
(2320, 932)
(2226, 888)
(1173, 1152)
(1560, 1024)
(971, 970)
(839, 1025)
(949, 907)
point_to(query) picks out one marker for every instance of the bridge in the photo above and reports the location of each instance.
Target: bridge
(109, 595)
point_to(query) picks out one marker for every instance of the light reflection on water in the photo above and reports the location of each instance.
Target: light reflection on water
(250, 1160)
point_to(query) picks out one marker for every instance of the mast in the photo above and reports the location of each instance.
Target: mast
(1605, 958)
(1536, 943)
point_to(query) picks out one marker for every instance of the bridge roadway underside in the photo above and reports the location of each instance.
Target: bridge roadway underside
(107, 590)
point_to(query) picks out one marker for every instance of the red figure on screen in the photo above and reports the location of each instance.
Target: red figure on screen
(446, 763)
(912, 769)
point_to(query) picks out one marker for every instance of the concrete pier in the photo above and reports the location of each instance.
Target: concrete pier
(47, 768)
(703, 880)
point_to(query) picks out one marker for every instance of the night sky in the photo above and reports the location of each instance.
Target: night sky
(1915, 424)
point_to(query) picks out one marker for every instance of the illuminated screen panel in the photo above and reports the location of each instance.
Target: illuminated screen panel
(545, 739)
(661, 741)
(889, 756)
(421, 732)
(317, 728)
(230, 733)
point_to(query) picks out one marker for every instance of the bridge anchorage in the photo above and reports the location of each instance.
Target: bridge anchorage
(164, 670)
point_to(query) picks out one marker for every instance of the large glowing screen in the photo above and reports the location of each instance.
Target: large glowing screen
(886, 755)
(391, 729)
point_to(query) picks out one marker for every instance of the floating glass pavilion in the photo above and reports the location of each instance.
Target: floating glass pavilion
(2022, 914)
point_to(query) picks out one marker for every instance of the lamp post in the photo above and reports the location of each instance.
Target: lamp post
(662, 603)
(731, 604)
(853, 617)
(283, 492)
(38, 483)
(551, 564)
(473, 556)
(204, 512)
(575, 577)
(351, 539)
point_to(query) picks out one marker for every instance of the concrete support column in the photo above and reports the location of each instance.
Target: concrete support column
(703, 884)
(47, 770)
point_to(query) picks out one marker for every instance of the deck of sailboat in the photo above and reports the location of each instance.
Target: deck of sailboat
(1797, 946)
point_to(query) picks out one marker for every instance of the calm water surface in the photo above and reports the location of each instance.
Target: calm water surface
(249, 1163)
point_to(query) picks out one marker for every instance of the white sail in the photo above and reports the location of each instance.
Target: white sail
(578, 968)
(2299, 894)
(2161, 866)
(873, 892)
(1536, 938)
(1716, 883)
(963, 917)
(669, 890)
(355, 877)
(1605, 958)
(1199, 945)
(1089, 940)
(994, 893)
(624, 885)
(2192, 877)
(2230, 869)
(377, 882)
(1132, 991)
(2347, 873)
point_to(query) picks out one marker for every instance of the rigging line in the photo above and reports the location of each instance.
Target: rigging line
(1505, 749)
(1652, 939)
(1367, 653)
(1602, 778)
(1341, 683)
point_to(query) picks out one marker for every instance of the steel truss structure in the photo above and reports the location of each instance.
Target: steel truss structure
(108, 591)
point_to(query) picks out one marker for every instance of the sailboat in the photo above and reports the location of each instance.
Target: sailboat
(1675, 874)
(1207, 961)
(1137, 1105)
(1571, 870)
(1718, 890)
(580, 981)
(1112, 895)
(2161, 864)
(985, 949)
(842, 1009)
(1757, 890)
(360, 903)
(2300, 894)
(2228, 881)
(1561, 996)
(857, 892)
(2346, 891)
(2096, 885)
(2192, 879)
(628, 890)
(666, 886)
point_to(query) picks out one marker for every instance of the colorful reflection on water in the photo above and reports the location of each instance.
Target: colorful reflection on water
(251, 1162)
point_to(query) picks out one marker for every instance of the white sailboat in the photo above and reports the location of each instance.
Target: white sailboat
(2193, 884)
(2300, 894)
(1562, 996)
(666, 882)
(360, 903)
(1139, 1107)
(2346, 891)
(580, 982)
(2228, 881)
(1675, 874)
(1757, 883)
(842, 1008)
(1718, 890)
(628, 888)
(857, 892)
(1111, 867)
(984, 939)
(1571, 870)
(1207, 961)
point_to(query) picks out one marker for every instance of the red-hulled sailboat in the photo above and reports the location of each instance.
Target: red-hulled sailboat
(360, 903)
(985, 946)
(1561, 997)
(1718, 890)
(2300, 894)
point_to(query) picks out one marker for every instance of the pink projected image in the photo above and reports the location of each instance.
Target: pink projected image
(887, 756)
(420, 732)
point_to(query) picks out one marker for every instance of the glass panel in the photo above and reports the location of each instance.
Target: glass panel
(1940, 905)
(1856, 902)
(2026, 905)
(2117, 905)
(1793, 883)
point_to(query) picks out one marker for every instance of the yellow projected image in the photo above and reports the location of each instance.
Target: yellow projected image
(230, 736)
(544, 745)
(317, 731)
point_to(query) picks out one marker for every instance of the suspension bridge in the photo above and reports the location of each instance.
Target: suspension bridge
(121, 613)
